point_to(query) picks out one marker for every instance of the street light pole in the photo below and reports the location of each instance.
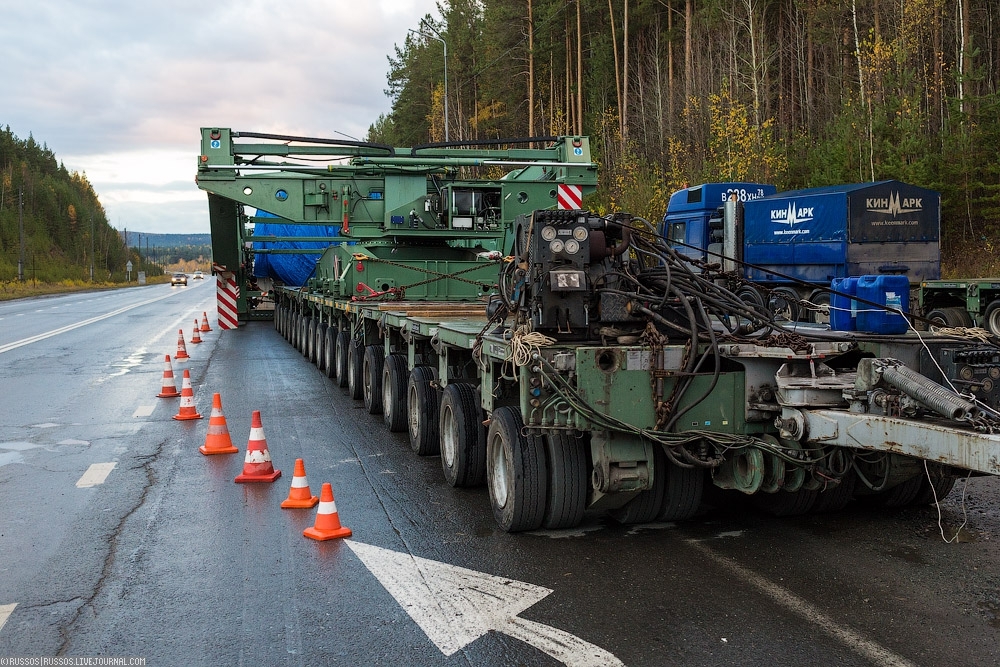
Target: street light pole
(445, 45)
(20, 229)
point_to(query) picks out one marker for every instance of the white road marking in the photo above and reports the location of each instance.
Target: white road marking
(454, 606)
(144, 411)
(96, 474)
(5, 611)
(69, 327)
(45, 425)
(873, 651)
(73, 442)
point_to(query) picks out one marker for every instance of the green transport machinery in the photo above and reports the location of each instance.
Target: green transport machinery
(570, 361)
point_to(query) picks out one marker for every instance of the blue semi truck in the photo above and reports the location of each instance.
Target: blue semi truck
(794, 244)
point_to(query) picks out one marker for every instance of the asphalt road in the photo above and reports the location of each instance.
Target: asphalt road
(168, 559)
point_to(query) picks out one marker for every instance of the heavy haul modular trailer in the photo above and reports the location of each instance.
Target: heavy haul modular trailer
(576, 362)
(556, 427)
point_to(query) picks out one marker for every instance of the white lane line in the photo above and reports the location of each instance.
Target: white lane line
(873, 651)
(69, 327)
(5, 611)
(96, 474)
(144, 411)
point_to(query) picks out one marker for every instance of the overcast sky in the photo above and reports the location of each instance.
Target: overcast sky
(119, 89)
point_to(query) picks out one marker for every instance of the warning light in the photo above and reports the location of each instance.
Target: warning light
(215, 134)
(204, 158)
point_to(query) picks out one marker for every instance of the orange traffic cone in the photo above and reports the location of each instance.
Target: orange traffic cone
(217, 441)
(169, 386)
(327, 525)
(204, 322)
(182, 352)
(299, 496)
(187, 410)
(195, 338)
(257, 465)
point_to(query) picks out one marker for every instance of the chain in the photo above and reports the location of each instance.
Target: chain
(399, 292)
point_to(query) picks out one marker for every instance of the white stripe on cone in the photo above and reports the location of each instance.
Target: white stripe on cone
(299, 483)
(327, 507)
(258, 456)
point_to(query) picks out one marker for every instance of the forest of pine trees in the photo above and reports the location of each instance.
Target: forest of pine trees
(65, 227)
(798, 93)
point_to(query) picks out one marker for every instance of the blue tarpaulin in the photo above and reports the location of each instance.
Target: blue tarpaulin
(291, 269)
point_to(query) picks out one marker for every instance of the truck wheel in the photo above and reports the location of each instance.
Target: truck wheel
(277, 318)
(646, 506)
(329, 365)
(784, 304)
(343, 353)
(463, 437)
(308, 333)
(836, 498)
(394, 377)
(991, 318)
(568, 481)
(371, 375)
(515, 472)
(950, 317)
(785, 503)
(682, 495)
(293, 326)
(319, 338)
(819, 298)
(355, 385)
(900, 495)
(422, 411)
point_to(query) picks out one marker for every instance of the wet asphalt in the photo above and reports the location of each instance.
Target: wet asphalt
(170, 560)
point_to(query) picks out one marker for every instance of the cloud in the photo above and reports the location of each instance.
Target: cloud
(119, 89)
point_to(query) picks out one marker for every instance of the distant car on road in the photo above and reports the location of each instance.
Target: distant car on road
(179, 279)
(198, 275)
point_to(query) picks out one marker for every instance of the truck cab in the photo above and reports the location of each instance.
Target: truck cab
(693, 222)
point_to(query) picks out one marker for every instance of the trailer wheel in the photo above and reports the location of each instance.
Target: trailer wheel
(515, 472)
(900, 495)
(371, 375)
(293, 327)
(682, 495)
(277, 318)
(422, 411)
(329, 365)
(950, 317)
(939, 486)
(308, 336)
(355, 384)
(319, 338)
(568, 480)
(991, 317)
(463, 436)
(785, 503)
(647, 505)
(394, 377)
(343, 353)
(819, 298)
(836, 498)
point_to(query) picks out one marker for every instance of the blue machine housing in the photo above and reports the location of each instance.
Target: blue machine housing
(816, 235)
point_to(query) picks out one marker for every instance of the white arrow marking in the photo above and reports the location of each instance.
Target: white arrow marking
(454, 606)
(5, 612)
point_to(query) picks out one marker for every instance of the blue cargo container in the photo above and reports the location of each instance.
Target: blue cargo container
(889, 291)
(844, 309)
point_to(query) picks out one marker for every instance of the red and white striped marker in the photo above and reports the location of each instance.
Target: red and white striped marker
(227, 293)
(257, 465)
(570, 197)
(187, 409)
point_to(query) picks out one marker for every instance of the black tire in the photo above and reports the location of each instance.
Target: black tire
(371, 378)
(277, 318)
(950, 317)
(568, 481)
(683, 493)
(308, 332)
(329, 365)
(293, 327)
(422, 411)
(319, 339)
(646, 506)
(783, 303)
(836, 498)
(394, 377)
(462, 435)
(991, 318)
(355, 355)
(342, 355)
(901, 495)
(938, 487)
(784, 503)
(515, 472)
(820, 298)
